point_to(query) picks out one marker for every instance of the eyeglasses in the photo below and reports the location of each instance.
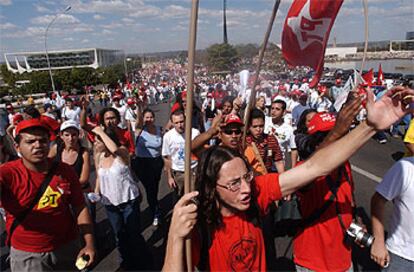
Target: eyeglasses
(231, 131)
(235, 185)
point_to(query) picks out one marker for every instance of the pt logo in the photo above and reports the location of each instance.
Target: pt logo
(310, 29)
(49, 199)
(242, 255)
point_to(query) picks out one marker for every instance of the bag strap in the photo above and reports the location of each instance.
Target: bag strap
(20, 218)
(333, 187)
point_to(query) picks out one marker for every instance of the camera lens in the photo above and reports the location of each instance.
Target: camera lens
(366, 239)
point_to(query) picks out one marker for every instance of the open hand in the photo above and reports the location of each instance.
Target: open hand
(390, 108)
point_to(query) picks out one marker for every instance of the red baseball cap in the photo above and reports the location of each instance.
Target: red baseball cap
(17, 118)
(175, 107)
(184, 94)
(131, 101)
(322, 121)
(210, 95)
(233, 119)
(30, 123)
(117, 97)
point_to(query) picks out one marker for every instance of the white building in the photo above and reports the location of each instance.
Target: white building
(62, 59)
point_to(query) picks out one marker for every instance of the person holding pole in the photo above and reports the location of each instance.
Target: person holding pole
(231, 201)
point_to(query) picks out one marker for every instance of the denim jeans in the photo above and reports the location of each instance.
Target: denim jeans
(125, 222)
(399, 264)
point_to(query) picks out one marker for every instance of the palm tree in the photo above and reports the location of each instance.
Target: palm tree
(224, 23)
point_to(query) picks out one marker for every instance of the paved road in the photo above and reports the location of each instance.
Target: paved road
(371, 163)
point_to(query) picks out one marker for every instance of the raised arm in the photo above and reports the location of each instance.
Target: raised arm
(381, 114)
(120, 151)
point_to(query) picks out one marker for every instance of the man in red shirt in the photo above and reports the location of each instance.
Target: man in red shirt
(326, 232)
(47, 237)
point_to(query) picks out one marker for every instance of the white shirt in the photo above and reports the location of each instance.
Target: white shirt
(122, 109)
(284, 135)
(131, 116)
(71, 114)
(174, 146)
(116, 183)
(398, 186)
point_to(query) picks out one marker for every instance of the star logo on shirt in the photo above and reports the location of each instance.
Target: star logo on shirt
(310, 29)
(49, 199)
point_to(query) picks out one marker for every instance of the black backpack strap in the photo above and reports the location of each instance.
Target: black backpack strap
(20, 218)
(333, 187)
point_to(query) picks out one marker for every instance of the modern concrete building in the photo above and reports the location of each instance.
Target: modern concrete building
(62, 59)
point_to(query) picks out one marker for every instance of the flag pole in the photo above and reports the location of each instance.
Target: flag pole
(252, 97)
(188, 114)
(365, 4)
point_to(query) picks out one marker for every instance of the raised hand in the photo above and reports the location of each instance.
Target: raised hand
(390, 108)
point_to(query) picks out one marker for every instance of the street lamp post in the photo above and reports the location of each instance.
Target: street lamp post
(47, 55)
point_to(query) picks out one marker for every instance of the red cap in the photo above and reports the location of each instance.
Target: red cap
(175, 107)
(282, 88)
(233, 119)
(17, 118)
(322, 89)
(9, 107)
(338, 81)
(321, 122)
(304, 80)
(210, 95)
(50, 122)
(184, 94)
(31, 123)
(131, 101)
(117, 97)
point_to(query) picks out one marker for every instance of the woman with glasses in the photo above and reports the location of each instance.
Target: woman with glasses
(231, 203)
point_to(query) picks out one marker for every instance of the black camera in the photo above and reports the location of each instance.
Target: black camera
(358, 235)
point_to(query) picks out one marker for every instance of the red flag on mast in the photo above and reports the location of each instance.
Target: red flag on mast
(306, 33)
(369, 77)
(380, 76)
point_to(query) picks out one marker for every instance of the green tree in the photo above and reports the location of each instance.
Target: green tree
(8, 77)
(221, 57)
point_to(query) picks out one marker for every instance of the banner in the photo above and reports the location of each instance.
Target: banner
(306, 33)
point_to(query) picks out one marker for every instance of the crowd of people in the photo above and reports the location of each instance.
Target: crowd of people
(296, 150)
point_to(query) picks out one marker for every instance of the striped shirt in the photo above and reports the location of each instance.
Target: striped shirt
(269, 149)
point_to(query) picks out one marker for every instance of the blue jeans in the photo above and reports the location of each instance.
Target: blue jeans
(399, 264)
(125, 222)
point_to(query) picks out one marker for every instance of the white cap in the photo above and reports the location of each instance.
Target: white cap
(69, 124)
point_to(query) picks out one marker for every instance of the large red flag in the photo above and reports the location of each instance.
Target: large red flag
(306, 33)
(380, 76)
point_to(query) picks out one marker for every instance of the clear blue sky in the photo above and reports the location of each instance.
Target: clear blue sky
(138, 26)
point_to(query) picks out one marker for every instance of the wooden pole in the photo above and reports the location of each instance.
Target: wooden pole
(365, 4)
(252, 98)
(188, 114)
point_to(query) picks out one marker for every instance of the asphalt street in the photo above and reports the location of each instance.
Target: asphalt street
(371, 163)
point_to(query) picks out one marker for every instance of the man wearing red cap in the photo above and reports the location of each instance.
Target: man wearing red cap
(329, 201)
(131, 114)
(336, 89)
(44, 205)
(116, 99)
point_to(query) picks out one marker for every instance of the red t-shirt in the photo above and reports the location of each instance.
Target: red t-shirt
(50, 224)
(239, 245)
(325, 237)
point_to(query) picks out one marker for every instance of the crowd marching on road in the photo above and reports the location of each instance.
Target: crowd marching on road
(294, 165)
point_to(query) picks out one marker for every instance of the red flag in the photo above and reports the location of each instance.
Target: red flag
(380, 76)
(306, 33)
(369, 77)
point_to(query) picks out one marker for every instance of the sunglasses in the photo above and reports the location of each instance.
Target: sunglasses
(231, 131)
